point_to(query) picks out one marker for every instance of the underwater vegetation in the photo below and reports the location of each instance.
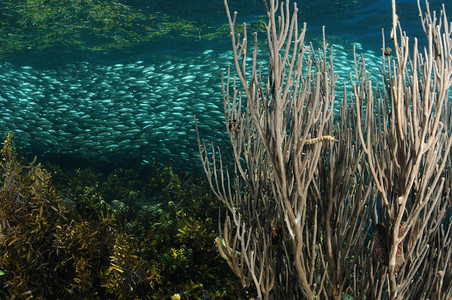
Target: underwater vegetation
(95, 25)
(33, 26)
(95, 236)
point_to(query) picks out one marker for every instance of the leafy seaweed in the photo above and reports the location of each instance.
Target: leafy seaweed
(129, 234)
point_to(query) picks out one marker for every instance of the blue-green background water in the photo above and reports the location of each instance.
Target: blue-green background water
(133, 102)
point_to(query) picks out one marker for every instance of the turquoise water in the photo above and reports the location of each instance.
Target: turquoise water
(134, 103)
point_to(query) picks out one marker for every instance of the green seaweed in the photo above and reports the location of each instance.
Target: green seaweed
(49, 251)
(92, 26)
(131, 233)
